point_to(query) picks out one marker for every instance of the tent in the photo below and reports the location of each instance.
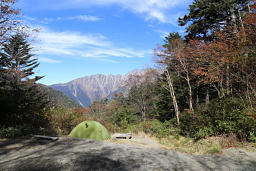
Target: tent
(90, 130)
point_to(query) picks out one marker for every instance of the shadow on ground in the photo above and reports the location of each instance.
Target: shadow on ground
(71, 154)
(82, 154)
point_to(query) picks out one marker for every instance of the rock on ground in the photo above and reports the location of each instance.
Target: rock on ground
(83, 154)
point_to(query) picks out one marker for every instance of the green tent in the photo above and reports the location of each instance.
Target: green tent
(91, 130)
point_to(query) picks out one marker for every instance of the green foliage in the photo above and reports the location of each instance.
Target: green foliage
(157, 128)
(207, 16)
(173, 36)
(123, 117)
(91, 130)
(220, 116)
(252, 136)
(21, 100)
(160, 129)
(203, 132)
(12, 132)
(18, 131)
(164, 104)
(213, 150)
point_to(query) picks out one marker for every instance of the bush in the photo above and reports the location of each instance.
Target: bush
(15, 132)
(123, 117)
(158, 128)
(64, 120)
(222, 116)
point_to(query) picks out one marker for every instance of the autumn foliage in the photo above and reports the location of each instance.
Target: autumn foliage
(213, 78)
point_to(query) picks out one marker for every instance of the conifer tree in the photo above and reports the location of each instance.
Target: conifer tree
(208, 16)
(20, 97)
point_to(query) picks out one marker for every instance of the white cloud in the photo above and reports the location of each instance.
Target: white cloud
(29, 18)
(151, 9)
(48, 60)
(84, 18)
(54, 50)
(158, 15)
(74, 44)
(160, 10)
(115, 52)
(71, 39)
(109, 61)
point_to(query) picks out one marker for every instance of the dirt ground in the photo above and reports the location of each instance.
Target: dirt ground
(135, 154)
(140, 139)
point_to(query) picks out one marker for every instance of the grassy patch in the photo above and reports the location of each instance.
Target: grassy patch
(248, 146)
(188, 145)
(171, 140)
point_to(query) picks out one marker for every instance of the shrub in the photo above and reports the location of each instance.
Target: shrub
(221, 116)
(123, 117)
(18, 131)
(228, 141)
(158, 128)
(64, 120)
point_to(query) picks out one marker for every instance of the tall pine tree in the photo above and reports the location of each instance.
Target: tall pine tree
(20, 97)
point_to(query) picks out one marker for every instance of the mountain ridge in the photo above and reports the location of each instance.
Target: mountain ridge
(91, 88)
(58, 98)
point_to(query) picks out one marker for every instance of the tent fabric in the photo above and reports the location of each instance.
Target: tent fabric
(90, 130)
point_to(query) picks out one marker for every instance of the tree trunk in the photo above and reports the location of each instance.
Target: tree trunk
(171, 89)
(190, 94)
(228, 79)
(249, 8)
(144, 113)
(241, 21)
(197, 97)
(247, 91)
(185, 69)
(217, 89)
(252, 89)
(207, 97)
(222, 93)
(233, 20)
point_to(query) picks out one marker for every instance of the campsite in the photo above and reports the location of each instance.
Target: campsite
(127, 85)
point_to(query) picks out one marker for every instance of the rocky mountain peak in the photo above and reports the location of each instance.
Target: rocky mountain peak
(87, 89)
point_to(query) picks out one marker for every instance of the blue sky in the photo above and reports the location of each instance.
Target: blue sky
(78, 38)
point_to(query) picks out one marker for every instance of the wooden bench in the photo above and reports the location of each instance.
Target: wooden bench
(122, 136)
(46, 137)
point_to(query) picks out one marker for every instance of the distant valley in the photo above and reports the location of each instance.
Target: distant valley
(96, 87)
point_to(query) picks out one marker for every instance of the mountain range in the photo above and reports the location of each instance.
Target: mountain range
(58, 98)
(96, 87)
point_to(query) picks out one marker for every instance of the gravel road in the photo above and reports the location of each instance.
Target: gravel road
(82, 154)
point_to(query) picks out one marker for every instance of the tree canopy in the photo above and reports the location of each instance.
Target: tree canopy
(8, 19)
(207, 16)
